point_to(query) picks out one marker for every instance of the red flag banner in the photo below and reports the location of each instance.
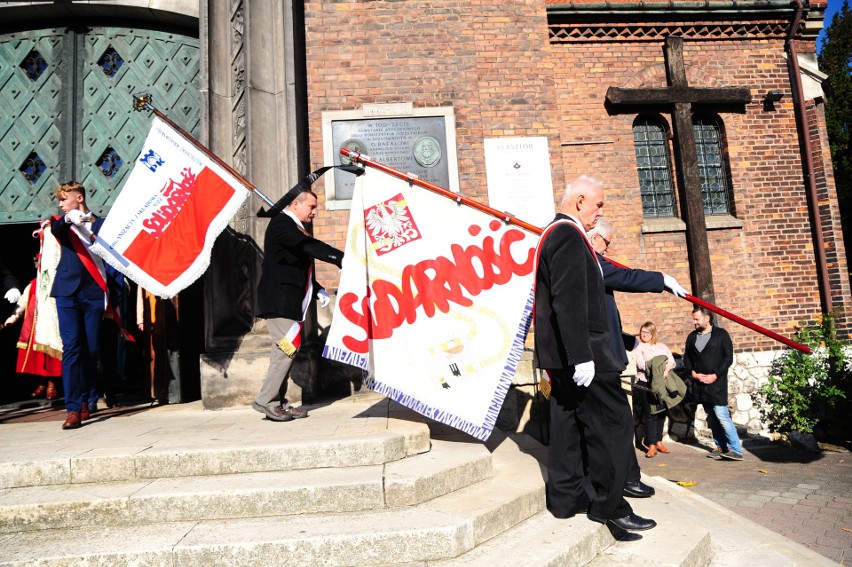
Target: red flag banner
(162, 226)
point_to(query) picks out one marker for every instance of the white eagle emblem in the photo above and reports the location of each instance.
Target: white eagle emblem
(390, 224)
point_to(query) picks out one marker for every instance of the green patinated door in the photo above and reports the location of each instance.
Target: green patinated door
(66, 97)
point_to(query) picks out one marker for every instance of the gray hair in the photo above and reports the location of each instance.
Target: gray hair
(603, 228)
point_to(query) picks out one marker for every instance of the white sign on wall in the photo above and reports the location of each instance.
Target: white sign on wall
(518, 175)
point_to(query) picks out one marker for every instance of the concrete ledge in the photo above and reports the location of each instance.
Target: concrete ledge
(736, 540)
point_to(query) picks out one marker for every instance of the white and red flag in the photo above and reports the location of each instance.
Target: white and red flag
(434, 301)
(162, 226)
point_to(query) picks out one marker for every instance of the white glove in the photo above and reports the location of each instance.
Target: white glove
(673, 286)
(584, 373)
(74, 216)
(13, 295)
(323, 299)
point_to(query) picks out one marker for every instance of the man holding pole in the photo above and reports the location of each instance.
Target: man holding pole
(286, 288)
(80, 289)
(588, 410)
(620, 278)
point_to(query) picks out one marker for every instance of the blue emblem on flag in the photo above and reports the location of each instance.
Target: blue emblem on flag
(151, 160)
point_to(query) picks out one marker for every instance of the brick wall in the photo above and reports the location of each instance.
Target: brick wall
(496, 66)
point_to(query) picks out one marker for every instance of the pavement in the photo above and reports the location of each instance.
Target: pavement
(804, 497)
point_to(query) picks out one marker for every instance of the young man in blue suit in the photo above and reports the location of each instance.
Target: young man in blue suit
(80, 293)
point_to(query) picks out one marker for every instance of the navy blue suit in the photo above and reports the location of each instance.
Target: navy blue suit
(80, 305)
(630, 280)
(635, 281)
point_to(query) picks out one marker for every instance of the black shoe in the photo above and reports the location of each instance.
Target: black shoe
(629, 523)
(638, 489)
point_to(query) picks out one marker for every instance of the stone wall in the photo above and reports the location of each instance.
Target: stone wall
(523, 409)
(746, 375)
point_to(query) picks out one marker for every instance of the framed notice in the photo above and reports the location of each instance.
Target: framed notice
(518, 175)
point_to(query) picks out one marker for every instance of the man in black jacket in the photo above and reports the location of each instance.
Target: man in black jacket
(589, 412)
(618, 278)
(287, 286)
(708, 355)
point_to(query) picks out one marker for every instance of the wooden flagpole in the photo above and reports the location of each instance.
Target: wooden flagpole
(143, 101)
(507, 218)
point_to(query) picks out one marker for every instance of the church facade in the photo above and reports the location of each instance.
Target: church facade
(705, 123)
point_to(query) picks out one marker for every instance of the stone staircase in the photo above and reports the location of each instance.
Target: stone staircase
(361, 482)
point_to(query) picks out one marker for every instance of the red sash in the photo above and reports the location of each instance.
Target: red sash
(546, 380)
(89, 263)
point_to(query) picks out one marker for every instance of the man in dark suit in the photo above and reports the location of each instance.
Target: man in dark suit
(708, 355)
(286, 288)
(80, 288)
(589, 413)
(634, 281)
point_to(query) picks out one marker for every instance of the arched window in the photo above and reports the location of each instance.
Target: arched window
(654, 166)
(713, 168)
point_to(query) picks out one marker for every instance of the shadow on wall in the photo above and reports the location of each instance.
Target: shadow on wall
(229, 295)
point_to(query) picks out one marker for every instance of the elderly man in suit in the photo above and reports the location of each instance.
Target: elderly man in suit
(287, 286)
(619, 278)
(80, 288)
(589, 413)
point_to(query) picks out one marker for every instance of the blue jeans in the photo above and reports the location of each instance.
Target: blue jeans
(723, 428)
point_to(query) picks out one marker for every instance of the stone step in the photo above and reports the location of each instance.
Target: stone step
(679, 540)
(540, 541)
(441, 528)
(332, 540)
(544, 541)
(93, 458)
(446, 468)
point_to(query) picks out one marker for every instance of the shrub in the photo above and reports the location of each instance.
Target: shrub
(804, 390)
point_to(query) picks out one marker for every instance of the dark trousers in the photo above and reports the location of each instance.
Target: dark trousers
(649, 425)
(590, 428)
(79, 327)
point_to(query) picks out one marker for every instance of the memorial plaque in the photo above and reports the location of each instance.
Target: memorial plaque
(416, 144)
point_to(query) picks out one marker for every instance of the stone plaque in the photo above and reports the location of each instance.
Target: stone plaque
(416, 144)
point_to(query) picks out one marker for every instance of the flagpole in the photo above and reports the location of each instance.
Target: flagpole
(411, 178)
(734, 317)
(142, 101)
(506, 217)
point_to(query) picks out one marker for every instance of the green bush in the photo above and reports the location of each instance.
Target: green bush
(805, 390)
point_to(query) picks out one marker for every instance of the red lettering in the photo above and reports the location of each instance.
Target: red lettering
(433, 285)
(178, 195)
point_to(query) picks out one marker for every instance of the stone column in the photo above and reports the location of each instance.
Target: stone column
(250, 109)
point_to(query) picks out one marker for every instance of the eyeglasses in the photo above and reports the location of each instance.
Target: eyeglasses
(604, 240)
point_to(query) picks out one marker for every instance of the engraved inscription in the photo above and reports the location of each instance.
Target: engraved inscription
(416, 144)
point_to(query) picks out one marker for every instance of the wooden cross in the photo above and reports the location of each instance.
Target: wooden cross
(680, 98)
